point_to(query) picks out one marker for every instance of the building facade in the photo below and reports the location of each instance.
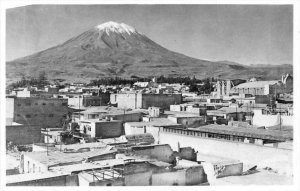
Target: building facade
(45, 112)
(144, 101)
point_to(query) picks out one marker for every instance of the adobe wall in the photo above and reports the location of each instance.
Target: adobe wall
(160, 152)
(160, 100)
(75, 101)
(169, 178)
(114, 182)
(195, 175)
(47, 113)
(271, 120)
(127, 117)
(138, 179)
(104, 98)
(155, 132)
(64, 180)
(131, 130)
(132, 101)
(99, 100)
(109, 129)
(189, 122)
(23, 134)
(276, 158)
(232, 169)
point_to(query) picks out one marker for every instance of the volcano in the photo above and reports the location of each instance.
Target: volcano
(119, 50)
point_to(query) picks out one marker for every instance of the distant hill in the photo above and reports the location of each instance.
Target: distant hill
(112, 49)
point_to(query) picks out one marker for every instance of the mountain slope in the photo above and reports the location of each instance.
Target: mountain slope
(112, 49)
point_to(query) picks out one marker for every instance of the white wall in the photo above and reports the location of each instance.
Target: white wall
(270, 120)
(276, 158)
(169, 178)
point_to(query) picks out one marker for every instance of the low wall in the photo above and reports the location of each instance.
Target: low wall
(195, 175)
(138, 179)
(64, 180)
(160, 152)
(169, 178)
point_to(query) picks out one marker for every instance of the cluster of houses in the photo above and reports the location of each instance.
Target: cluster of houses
(151, 134)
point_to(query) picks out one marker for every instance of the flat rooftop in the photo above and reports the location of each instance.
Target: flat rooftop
(262, 177)
(247, 132)
(160, 122)
(93, 145)
(31, 177)
(109, 110)
(186, 115)
(57, 158)
(203, 157)
(99, 121)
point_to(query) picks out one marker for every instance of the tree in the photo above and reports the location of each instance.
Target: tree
(42, 79)
(193, 88)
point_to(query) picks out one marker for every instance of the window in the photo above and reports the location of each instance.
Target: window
(35, 115)
(44, 103)
(18, 115)
(28, 104)
(51, 115)
(19, 104)
(64, 103)
(28, 116)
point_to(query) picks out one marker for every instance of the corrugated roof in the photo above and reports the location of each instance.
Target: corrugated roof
(247, 132)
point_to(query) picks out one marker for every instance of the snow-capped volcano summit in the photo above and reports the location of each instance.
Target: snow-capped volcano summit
(116, 27)
(116, 49)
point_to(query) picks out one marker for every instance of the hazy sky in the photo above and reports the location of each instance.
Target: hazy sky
(248, 34)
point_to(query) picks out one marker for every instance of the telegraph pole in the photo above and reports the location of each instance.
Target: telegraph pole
(47, 141)
(279, 118)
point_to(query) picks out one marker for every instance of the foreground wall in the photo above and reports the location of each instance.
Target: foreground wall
(160, 152)
(169, 178)
(276, 158)
(64, 180)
